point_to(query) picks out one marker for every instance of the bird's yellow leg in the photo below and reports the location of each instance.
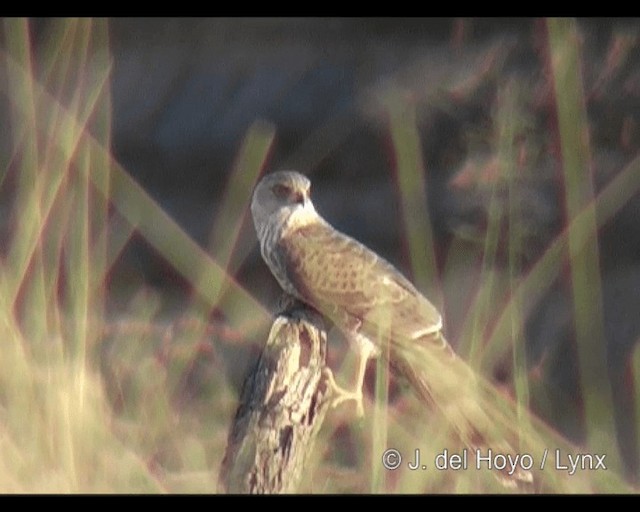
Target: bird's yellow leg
(365, 350)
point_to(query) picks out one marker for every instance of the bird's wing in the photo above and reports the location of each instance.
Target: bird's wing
(337, 275)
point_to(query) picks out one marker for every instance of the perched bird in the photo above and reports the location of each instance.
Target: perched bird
(372, 303)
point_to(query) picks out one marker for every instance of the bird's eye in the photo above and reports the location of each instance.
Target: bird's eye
(282, 191)
(288, 194)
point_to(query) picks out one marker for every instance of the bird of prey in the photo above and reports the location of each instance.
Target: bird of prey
(372, 303)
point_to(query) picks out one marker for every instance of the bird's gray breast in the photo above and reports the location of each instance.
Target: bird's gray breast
(274, 257)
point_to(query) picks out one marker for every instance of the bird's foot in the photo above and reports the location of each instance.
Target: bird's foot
(341, 395)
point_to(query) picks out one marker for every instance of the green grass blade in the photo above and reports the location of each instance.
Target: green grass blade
(584, 261)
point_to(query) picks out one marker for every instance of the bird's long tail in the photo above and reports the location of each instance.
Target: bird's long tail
(471, 407)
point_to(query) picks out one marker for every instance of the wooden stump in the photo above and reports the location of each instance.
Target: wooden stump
(282, 407)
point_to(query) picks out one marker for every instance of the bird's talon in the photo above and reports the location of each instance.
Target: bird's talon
(342, 395)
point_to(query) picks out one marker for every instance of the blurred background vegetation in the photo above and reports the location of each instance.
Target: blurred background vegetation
(491, 160)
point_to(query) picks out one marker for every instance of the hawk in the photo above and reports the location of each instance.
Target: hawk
(372, 303)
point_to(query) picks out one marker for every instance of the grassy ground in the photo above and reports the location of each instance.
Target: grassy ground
(139, 403)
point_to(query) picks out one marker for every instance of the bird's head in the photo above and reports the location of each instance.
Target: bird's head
(279, 196)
